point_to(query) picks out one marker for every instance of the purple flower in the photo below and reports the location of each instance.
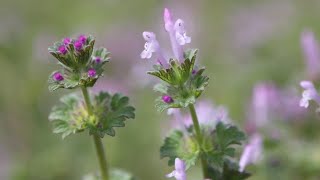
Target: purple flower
(311, 52)
(167, 99)
(152, 46)
(62, 49)
(208, 114)
(82, 38)
(174, 34)
(58, 76)
(92, 73)
(180, 170)
(265, 103)
(177, 35)
(78, 45)
(309, 93)
(252, 152)
(66, 41)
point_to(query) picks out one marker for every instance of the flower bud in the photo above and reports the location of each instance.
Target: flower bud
(167, 99)
(58, 76)
(62, 50)
(66, 41)
(92, 73)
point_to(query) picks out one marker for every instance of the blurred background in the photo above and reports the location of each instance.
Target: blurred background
(251, 49)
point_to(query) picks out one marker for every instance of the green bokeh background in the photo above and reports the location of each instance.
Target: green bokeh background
(241, 43)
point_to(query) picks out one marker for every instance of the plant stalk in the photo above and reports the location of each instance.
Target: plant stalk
(97, 140)
(199, 139)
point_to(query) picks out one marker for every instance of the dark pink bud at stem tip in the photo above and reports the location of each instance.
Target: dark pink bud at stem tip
(92, 73)
(78, 45)
(82, 38)
(62, 50)
(58, 76)
(167, 99)
(97, 59)
(66, 41)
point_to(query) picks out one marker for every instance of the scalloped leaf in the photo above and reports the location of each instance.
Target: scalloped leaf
(176, 145)
(111, 111)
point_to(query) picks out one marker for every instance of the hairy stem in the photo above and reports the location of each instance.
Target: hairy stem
(97, 140)
(199, 139)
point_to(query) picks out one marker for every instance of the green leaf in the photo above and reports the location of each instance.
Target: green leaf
(178, 73)
(224, 137)
(227, 135)
(176, 145)
(111, 111)
(70, 116)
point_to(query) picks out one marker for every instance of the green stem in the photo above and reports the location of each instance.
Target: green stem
(199, 139)
(97, 140)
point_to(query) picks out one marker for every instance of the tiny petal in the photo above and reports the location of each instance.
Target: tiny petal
(66, 41)
(92, 73)
(304, 103)
(167, 99)
(62, 50)
(167, 20)
(179, 165)
(150, 46)
(58, 76)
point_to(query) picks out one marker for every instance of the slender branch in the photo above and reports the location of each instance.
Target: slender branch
(199, 139)
(97, 140)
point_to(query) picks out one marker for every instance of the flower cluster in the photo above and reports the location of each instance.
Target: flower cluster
(81, 64)
(184, 82)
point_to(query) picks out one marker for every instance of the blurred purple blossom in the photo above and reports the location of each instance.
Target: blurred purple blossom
(92, 73)
(311, 50)
(58, 76)
(180, 170)
(309, 93)
(252, 152)
(208, 114)
(167, 99)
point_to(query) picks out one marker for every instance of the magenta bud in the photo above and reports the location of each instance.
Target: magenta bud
(92, 73)
(62, 50)
(97, 59)
(194, 72)
(58, 76)
(82, 38)
(66, 41)
(78, 45)
(167, 99)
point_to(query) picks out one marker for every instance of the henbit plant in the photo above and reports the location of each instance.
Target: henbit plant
(182, 84)
(80, 67)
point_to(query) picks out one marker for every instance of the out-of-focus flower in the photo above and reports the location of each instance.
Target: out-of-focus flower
(180, 170)
(265, 103)
(309, 93)
(92, 73)
(252, 152)
(311, 50)
(208, 114)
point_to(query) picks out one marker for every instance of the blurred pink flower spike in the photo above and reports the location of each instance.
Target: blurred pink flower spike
(177, 34)
(252, 152)
(311, 50)
(309, 93)
(180, 170)
(152, 46)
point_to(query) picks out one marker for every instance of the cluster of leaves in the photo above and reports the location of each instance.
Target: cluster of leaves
(182, 82)
(110, 111)
(115, 174)
(217, 148)
(75, 64)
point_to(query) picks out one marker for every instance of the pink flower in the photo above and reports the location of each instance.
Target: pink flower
(180, 170)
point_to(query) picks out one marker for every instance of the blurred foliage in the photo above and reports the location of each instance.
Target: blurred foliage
(240, 43)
